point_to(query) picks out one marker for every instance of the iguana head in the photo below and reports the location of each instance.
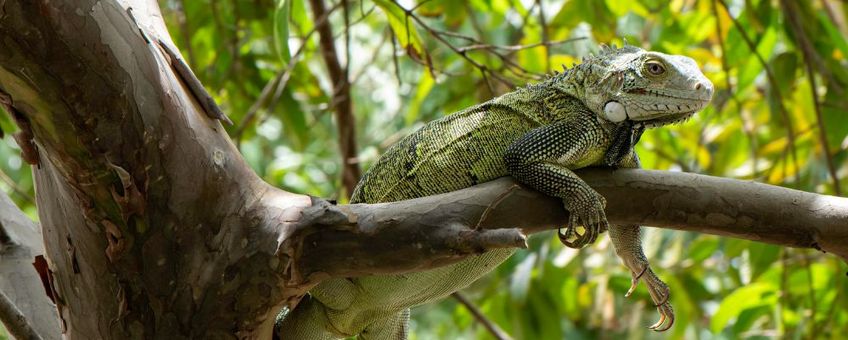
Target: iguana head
(644, 87)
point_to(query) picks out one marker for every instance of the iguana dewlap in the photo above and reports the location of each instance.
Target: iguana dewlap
(589, 115)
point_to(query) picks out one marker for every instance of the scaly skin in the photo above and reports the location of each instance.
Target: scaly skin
(590, 115)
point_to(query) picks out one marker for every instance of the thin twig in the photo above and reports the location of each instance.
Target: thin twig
(831, 168)
(277, 84)
(747, 123)
(810, 57)
(395, 57)
(775, 87)
(515, 48)
(16, 188)
(342, 101)
(508, 64)
(435, 34)
(16, 323)
(492, 327)
(457, 35)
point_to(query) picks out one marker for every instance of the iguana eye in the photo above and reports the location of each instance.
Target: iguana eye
(655, 67)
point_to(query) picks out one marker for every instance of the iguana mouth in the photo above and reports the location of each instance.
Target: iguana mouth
(676, 119)
(665, 94)
(658, 108)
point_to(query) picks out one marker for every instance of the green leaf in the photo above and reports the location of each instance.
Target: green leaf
(836, 38)
(300, 17)
(761, 257)
(404, 28)
(745, 298)
(425, 85)
(520, 283)
(753, 67)
(784, 67)
(281, 30)
(702, 248)
(294, 120)
(747, 318)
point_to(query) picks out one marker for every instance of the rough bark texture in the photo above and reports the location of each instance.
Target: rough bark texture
(155, 227)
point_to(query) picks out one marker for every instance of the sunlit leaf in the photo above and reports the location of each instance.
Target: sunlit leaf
(404, 28)
(745, 298)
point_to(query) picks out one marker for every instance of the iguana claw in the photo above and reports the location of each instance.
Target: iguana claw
(666, 317)
(593, 220)
(635, 282)
(659, 294)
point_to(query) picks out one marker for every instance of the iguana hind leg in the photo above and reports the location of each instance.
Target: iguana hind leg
(308, 321)
(627, 242)
(392, 327)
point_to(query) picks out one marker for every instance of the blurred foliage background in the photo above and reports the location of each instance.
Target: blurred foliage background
(779, 116)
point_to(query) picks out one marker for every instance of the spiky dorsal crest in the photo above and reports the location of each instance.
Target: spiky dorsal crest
(608, 53)
(597, 63)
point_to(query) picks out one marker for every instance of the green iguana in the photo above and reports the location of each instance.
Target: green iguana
(589, 115)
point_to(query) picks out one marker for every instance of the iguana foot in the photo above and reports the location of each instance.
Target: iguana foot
(659, 294)
(588, 214)
(628, 245)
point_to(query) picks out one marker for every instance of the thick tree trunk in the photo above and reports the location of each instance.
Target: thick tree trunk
(155, 227)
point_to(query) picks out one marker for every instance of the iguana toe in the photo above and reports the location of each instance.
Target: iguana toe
(592, 227)
(635, 281)
(666, 318)
(659, 294)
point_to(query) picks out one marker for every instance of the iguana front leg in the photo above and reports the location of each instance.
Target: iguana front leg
(627, 242)
(543, 159)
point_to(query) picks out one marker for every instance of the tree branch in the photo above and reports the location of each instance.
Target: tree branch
(811, 58)
(143, 199)
(341, 102)
(26, 308)
(493, 328)
(773, 85)
(418, 234)
(16, 323)
(147, 204)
